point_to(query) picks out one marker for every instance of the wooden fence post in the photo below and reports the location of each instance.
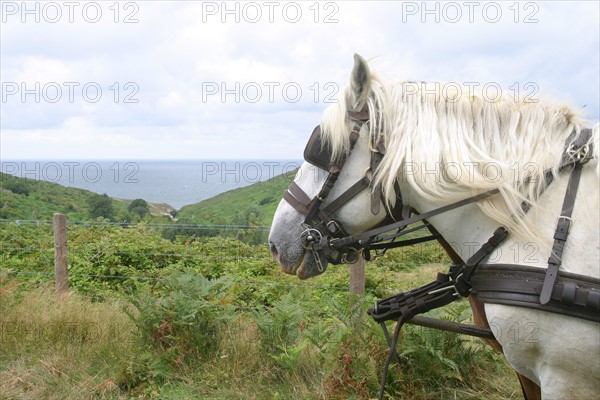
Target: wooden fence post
(60, 254)
(357, 276)
(357, 290)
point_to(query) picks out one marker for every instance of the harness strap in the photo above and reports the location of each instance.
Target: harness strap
(334, 173)
(348, 195)
(362, 115)
(519, 285)
(376, 158)
(375, 233)
(577, 151)
(403, 243)
(463, 280)
(444, 290)
(560, 235)
(381, 248)
(296, 197)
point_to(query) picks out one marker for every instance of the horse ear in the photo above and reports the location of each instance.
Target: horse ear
(360, 84)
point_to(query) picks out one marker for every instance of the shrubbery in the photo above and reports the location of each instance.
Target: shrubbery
(215, 318)
(100, 206)
(17, 187)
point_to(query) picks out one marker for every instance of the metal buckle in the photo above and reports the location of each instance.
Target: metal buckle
(334, 227)
(569, 219)
(579, 153)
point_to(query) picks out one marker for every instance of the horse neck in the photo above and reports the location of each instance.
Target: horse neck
(468, 228)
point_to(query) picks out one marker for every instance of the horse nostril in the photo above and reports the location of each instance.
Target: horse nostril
(273, 249)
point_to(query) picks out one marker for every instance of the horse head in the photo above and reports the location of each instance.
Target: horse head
(333, 186)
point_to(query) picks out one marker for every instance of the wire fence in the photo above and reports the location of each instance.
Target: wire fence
(27, 249)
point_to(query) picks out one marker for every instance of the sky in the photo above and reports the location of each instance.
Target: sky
(133, 80)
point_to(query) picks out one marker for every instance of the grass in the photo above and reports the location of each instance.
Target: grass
(75, 348)
(265, 335)
(61, 349)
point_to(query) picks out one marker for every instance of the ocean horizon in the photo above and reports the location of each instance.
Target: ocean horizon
(173, 182)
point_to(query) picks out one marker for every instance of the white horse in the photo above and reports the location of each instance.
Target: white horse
(445, 143)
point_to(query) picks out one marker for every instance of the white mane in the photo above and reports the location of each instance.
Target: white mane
(448, 144)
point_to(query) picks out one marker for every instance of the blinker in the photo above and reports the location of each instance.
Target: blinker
(316, 153)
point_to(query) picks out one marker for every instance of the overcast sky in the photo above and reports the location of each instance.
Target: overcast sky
(214, 80)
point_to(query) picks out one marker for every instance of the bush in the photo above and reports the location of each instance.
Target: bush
(280, 329)
(139, 207)
(309, 342)
(184, 318)
(17, 187)
(100, 206)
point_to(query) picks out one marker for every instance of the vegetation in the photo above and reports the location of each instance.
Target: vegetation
(225, 208)
(139, 207)
(249, 207)
(214, 318)
(100, 206)
(29, 199)
(181, 311)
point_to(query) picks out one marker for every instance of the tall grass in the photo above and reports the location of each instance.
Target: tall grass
(184, 339)
(68, 348)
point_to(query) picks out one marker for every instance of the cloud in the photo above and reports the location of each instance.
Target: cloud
(213, 80)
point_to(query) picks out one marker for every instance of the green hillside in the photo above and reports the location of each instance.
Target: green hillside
(232, 207)
(24, 198)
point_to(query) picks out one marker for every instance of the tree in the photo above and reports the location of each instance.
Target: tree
(139, 207)
(17, 187)
(101, 206)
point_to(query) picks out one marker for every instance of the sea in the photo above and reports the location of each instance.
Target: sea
(173, 182)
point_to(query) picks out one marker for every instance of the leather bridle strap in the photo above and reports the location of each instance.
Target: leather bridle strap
(560, 235)
(577, 154)
(298, 199)
(373, 235)
(334, 173)
(348, 195)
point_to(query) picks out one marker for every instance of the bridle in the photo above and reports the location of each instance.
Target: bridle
(325, 236)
